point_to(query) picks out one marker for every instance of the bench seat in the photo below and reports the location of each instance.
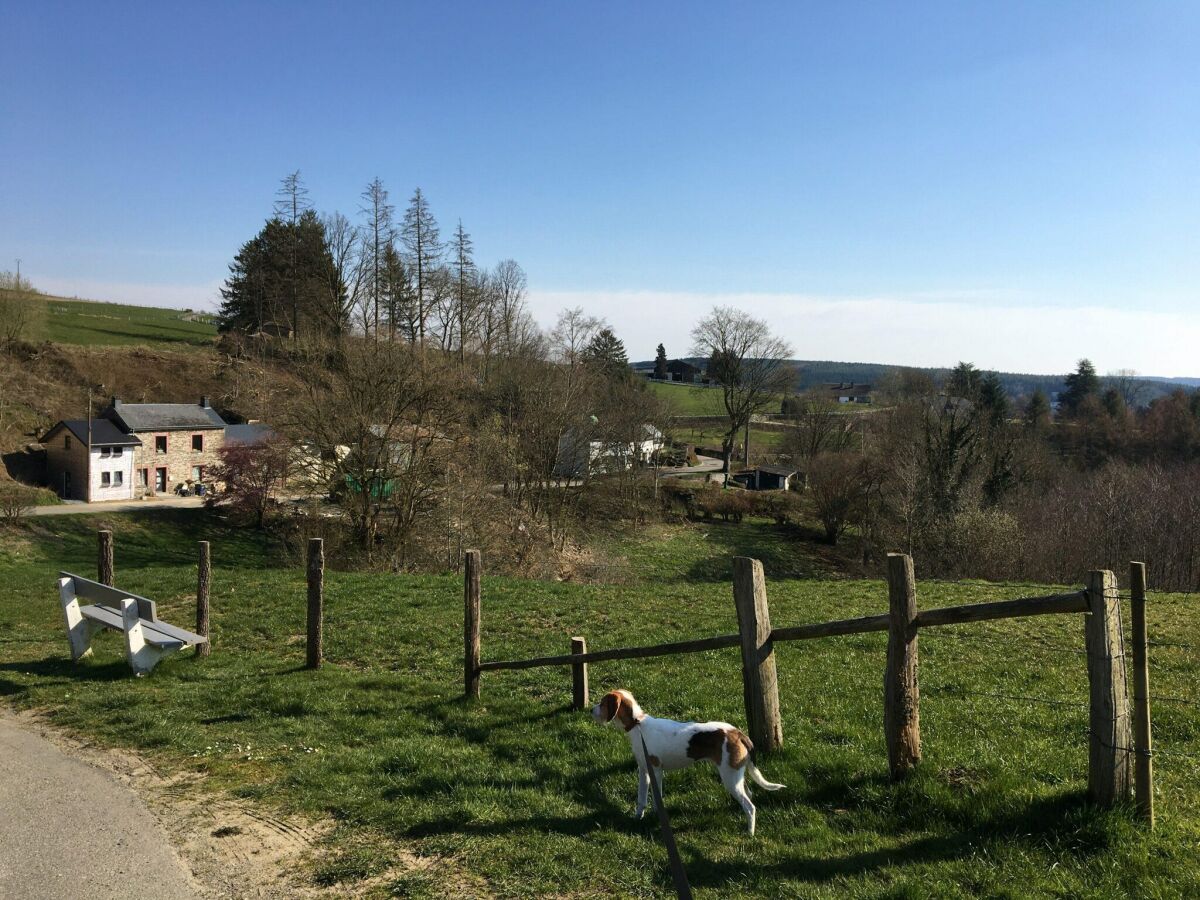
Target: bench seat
(110, 618)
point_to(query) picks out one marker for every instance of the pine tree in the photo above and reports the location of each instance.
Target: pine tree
(281, 274)
(660, 363)
(1037, 410)
(1081, 384)
(606, 353)
(378, 235)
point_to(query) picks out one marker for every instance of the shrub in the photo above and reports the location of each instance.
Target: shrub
(15, 498)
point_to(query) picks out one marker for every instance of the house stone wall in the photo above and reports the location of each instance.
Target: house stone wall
(61, 458)
(179, 459)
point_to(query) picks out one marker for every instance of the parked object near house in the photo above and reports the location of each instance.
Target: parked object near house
(138, 450)
(768, 478)
(848, 392)
(581, 453)
(104, 474)
(250, 434)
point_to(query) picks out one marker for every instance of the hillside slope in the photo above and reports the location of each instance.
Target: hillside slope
(91, 322)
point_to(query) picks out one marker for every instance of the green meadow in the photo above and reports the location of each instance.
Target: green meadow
(515, 795)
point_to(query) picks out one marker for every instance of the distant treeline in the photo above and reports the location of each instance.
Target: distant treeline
(814, 373)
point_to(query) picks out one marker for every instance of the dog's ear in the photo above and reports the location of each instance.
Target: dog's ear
(609, 705)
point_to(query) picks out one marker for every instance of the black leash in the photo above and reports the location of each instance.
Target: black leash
(678, 873)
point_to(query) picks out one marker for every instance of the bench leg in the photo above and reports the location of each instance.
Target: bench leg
(142, 656)
(79, 629)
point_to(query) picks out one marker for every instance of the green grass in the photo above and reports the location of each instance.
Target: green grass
(690, 400)
(94, 323)
(518, 796)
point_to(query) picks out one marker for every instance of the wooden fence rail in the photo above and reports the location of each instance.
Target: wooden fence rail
(1110, 767)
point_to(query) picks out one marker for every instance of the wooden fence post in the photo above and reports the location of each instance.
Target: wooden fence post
(472, 564)
(901, 695)
(104, 557)
(1111, 738)
(316, 602)
(203, 578)
(579, 676)
(1143, 744)
(759, 681)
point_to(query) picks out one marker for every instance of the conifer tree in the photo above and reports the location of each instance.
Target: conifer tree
(660, 363)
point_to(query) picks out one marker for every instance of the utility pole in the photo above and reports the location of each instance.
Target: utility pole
(87, 485)
(18, 274)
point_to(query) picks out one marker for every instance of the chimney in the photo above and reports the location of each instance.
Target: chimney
(204, 403)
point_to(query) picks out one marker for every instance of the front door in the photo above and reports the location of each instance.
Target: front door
(160, 480)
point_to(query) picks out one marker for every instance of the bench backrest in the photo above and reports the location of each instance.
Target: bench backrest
(103, 595)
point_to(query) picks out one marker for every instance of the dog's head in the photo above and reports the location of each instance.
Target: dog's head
(618, 708)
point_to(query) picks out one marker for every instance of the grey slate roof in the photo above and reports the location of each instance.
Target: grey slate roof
(104, 433)
(163, 416)
(248, 435)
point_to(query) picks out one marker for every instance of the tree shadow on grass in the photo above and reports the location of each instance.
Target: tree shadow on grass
(1039, 824)
(786, 551)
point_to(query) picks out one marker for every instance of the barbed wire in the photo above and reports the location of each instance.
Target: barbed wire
(949, 690)
(1183, 700)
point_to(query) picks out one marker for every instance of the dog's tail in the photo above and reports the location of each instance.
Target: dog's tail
(757, 777)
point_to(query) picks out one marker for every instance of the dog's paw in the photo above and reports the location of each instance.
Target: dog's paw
(639, 812)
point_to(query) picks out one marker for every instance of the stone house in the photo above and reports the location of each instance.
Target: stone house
(108, 475)
(179, 442)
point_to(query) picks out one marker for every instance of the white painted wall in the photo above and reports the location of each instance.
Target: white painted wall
(111, 464)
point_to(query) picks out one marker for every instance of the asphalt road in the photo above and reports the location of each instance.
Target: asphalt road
(69, 830)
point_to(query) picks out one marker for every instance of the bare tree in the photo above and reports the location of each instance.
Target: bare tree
(377, 235)
(462, 249)
(1131, 386)
(19, 308)
(819, 428)
(749, 362)
(422, 241)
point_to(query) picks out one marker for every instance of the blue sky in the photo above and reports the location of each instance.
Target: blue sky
(1014, 184)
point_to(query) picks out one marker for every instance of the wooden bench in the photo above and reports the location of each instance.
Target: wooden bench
(147, 639)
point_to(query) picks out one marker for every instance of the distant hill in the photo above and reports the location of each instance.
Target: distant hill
(811, 373)
(95, 323)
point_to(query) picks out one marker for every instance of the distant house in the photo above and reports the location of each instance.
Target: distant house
(684, 372)
(848, 392)
(768, 478)
(106, 473)
(580, 454)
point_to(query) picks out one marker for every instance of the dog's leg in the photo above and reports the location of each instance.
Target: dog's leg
(643, 789)
(735, 783)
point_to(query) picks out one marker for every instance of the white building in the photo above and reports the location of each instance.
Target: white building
(579, 453)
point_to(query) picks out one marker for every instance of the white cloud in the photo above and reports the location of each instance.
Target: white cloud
(992, 333)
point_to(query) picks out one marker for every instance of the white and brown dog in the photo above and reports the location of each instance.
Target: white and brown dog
(676, 745)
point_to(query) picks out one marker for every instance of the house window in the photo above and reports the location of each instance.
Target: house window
(118, 479)
(160, 443)
(197, 442)
(67, 442)
(105, 479)
(105, 452)
(116, 451)
(197, 473)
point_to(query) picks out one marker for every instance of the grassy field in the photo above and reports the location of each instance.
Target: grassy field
(690, 400)
(89, 322)
(515, 795)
